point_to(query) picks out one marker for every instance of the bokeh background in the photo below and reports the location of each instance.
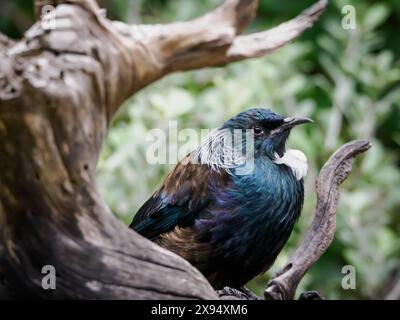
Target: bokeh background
(348, 81)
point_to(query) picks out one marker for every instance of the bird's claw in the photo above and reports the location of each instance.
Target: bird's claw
(311, 295)
(276, 291)
(280, 290)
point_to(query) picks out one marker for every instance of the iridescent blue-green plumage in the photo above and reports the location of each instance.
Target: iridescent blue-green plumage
(230, 226)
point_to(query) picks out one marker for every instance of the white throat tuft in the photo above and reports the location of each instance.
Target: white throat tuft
(295, 160)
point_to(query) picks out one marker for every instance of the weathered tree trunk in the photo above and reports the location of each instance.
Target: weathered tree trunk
(59, 90)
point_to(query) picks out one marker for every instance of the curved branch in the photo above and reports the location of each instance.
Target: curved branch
(55, 89)
(262, 43)
(283, 284)
(187, 45)
(208, 41)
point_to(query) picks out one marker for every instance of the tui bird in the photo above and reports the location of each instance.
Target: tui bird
(231, 225)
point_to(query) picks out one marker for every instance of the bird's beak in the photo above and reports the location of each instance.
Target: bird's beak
(291, 122)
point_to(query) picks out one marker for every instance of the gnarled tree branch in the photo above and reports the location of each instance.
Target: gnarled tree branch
(211, 40)
(266, 42)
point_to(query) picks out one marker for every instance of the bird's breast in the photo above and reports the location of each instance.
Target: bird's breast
(253, 217)
(271, 199)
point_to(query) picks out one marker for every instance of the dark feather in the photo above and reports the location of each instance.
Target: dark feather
(182, 195)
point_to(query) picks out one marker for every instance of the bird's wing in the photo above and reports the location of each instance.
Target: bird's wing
(184, 192)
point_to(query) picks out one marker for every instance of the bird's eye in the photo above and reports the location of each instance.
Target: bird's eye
(258, 131)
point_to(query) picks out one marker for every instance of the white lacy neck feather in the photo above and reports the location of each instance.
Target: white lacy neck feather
(295, 160)
(217, 152)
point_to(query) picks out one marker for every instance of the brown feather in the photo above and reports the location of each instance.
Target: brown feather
(183, 242)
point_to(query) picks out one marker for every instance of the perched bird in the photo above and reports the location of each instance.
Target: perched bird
(231, 224)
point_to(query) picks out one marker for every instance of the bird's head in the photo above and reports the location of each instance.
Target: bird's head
(269, 130)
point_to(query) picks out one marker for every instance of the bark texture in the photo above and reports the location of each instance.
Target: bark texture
(59, 90)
